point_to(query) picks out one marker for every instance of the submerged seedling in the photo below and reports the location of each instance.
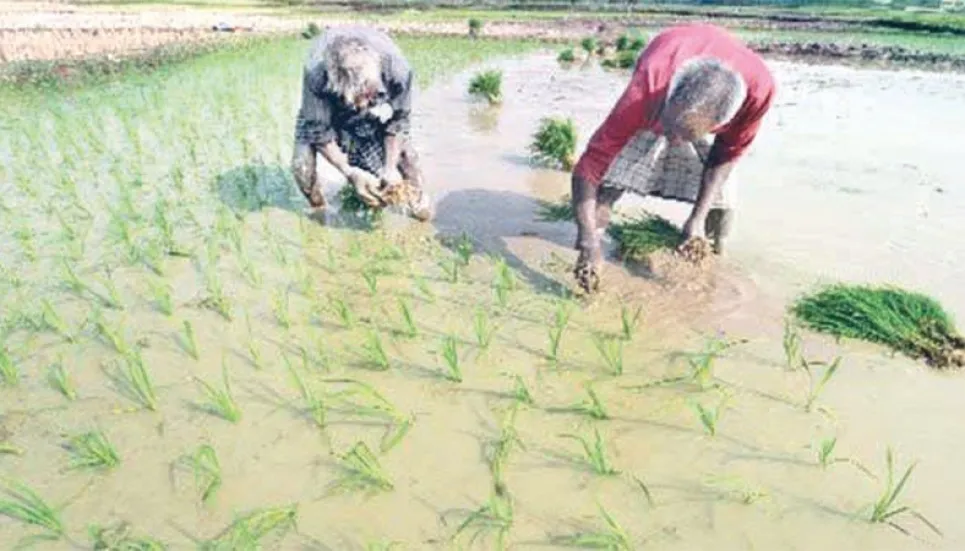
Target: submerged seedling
(450, 355)
(248, 531)
(374, 350)
(118, 537)
(885, 508)
(162, 297)
(342, 311)
(826, 457)
(628, 322)
(593, 407)
(815, 389)
(221, 402)
(371, 277)
(9, 374)
(362, 471)
(710, 417)
(136, 381)
(791, 342)
(113, 336)
(611, 350)
(314, 403)
(60, 380)
(280, 306)
(482, 328)
(207, 471)
(494, 517)
(23, 505)
(612, 537)
(364, 400)
(92, 450)
(52, 320)
(503, 447)
(521, 393)
(555, 336)
(408, 319)
(190, 340)
(595, 453)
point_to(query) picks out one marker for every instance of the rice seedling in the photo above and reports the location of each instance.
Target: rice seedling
(190, 340)
(411, 329)
(7, 448)
(589, 45)
(475, 27)
(826, 457)
(118, 537)
(595, 453)
(450, 357)
(60, 380)
(371, 277)
(629, 323)
(503, 447)
(281, 308)
(638, 237)
(482, 329)
(52, 320)
(555, 337)
(215, 299)
(342, 311)
(362, 471)
(487, 85)
(735, 489)
(370, 402)
(594, 407)
(815, 388)
(494, 517)
(207, 471)
(451, 267)
(566, 56)
(910, 323)
(791, 342)
(646, 491)
(423, 286)
(9, 374)
(374, 351)
(504, 282)
(248, 531)
(162, 297)
(248, 269)
(73, 281)
(622, 42)
(625, 59)
(554, 142)
(23, 505)
(702, 363)
(311, 30)
(221, 402)
(136, 381)
(885, 508)
(709, 418)
(611, 350)
(521, 393)
(112, 336)
(92, 450)
(612, 537)
(314, 403)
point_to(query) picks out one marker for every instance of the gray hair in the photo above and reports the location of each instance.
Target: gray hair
(708, 87)
(353, 67)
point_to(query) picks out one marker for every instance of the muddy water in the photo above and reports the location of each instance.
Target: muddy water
(475, 161)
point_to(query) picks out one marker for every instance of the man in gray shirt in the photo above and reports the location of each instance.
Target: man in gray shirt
(355, 112)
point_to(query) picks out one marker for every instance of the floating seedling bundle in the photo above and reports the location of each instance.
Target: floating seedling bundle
(638, 237)
(908, 322)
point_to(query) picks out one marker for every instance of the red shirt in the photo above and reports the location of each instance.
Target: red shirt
(645, 93)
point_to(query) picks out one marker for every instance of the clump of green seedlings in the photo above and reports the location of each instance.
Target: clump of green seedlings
(589, 45)
(709, 418)
(611, 350)
(450, 356)
(815, 388)
(9, 374)
(885, 509)
(488, 85)
(60, 380)
(475, 27)
(363, 399)
(566, 56)
(561, 318)
(595, 453)
(92, 450)
(248, 531)
(374, 350)
(111, 335)
(23, 505)
(362, 471)
(482, 328)
(50, 319)
(554, 142)
(504, 282)
(135, 381)
(637, 238)
(826, 456)
(220, 402)
(119, 537)
(311, 31)
(494, 517)
(207, 471)
(593, 407)
(908, 322)
(613, 537)
(410, 330)
(162, 298)
(313, 402)
(342, 311)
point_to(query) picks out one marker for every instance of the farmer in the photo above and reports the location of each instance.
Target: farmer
(692, 81)
(355, 111)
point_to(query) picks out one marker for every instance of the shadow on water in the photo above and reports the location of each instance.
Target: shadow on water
(254, 187)
(491, 217)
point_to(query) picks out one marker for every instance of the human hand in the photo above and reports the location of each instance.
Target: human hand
(587, 269)
(366, 186)
(391, 177)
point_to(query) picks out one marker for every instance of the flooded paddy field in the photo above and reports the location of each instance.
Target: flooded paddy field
(160, 287)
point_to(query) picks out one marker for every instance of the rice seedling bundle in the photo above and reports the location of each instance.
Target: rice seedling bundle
(554, 142)
(638, 237)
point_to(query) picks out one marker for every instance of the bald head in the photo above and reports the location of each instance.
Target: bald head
(703, 94)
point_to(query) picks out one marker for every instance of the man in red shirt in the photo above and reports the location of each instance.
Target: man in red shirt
(692, 81)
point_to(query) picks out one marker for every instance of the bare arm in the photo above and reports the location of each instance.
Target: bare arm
(712, 180)
(393, 149)
(584, 196)
(334, 155)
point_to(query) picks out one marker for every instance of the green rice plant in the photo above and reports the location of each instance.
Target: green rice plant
(594, 407)
(9, 374)
(362, 471)
(791, 342)
(885, 508)
(207, 471)
(248, 531)
(281, 308)
(451, 267)
(374, 351)
(7, 448)
(60, 380)
(555, 337)
(464, 248)
(162, 297)
(371, 277)
(826, 457)
(253, 350)
(622, 42)
(815, 388)
(408, 319)
(612, 537)
(118, 537)
(483, 329)
(73, 282)
(475, 27)
(637, 44)
(702, 363)
(709, 418)
(450, 357)
(494, 517)
(488, 85)
(113, 298)
(595, 453)
(561, 211)
(363, 399)
(611, 350)
(629, 323)
(504, 282)
(383, 546)
(215, 299)
(521, 393)
(423, 286)
(314, 403)
(136, 381)
(92, 450)
(52, 320)
(589, 45)
(248, 269)
(311, 31)
(342, 311)
(638, 237)
(907, 322)
(190, 340)
(221, 402)
(23, 505)
(625, 59)
(554, 142)
(502, 448)
(566, 56)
